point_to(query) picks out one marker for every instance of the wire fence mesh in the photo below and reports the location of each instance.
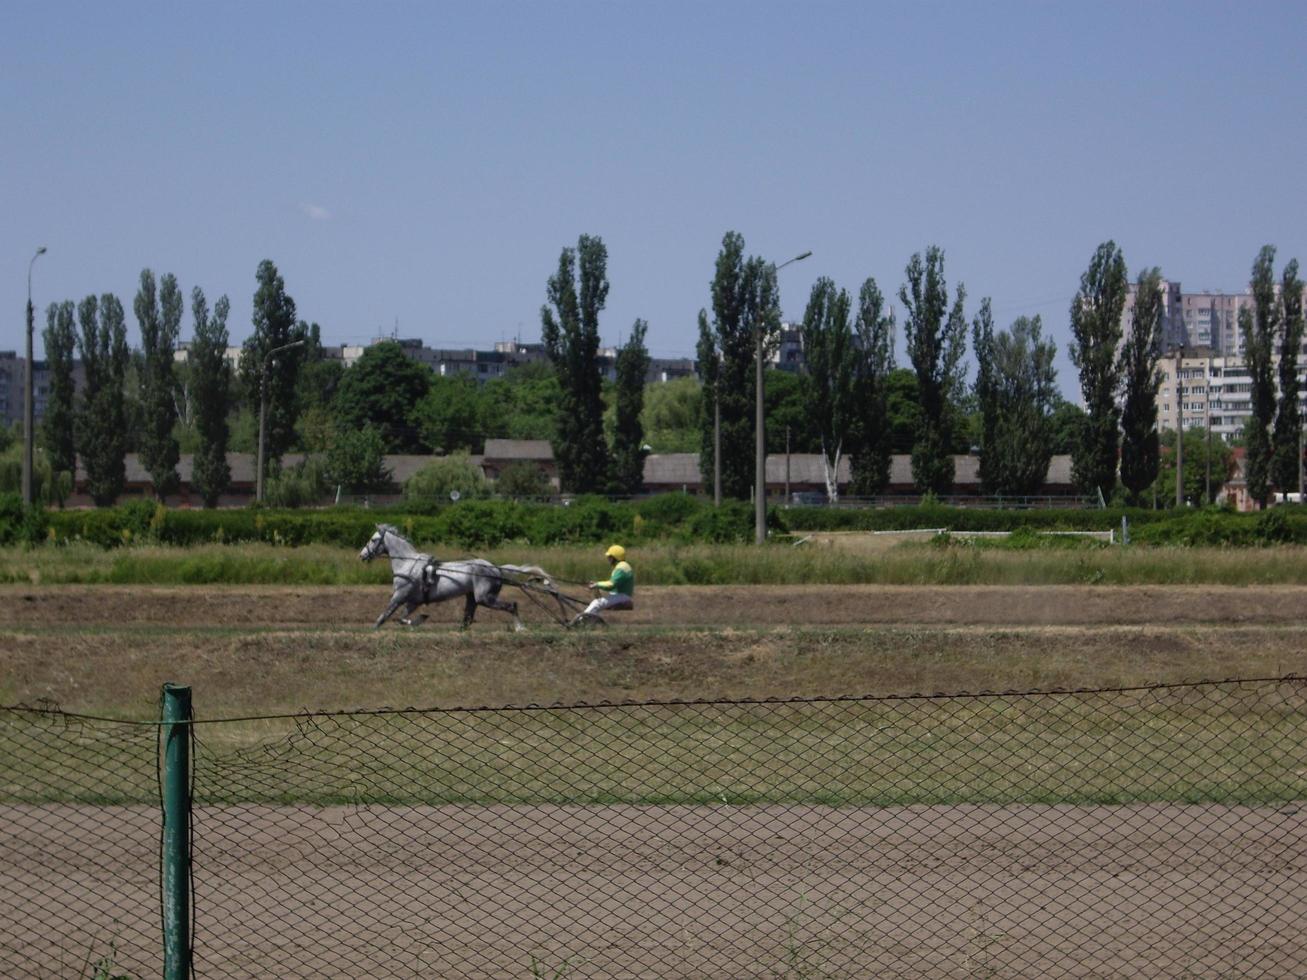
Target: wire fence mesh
(1145, 832)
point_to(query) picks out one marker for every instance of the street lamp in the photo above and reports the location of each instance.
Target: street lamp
(760, 468)
(263, 411)
(28, 402)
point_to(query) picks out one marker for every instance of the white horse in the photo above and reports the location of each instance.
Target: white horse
(419, 579)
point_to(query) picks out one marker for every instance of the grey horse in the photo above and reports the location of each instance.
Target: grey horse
(419, 579)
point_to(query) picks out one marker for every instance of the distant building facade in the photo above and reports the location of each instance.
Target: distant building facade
(13, 386)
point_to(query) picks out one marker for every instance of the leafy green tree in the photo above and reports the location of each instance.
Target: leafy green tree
(523, 479)
(57, 426)
(1259, 328)
(159, 314)
(210, 392)
(1202, 456)
(305, 484)
(1016, 389)
(102, 426)
(356, 459)
(628, 435)
(903, 407)
(744, 303)
(318, 380)
(787, 405)
(829, 350)
(523, 404)
(577, 293)
(670, 417)
(871, 429)
(936, 339)
(383, 389)
(274, 326)
(1285, 441)
(1064, 424)
(1139, 354)
(445, 475)
(449, 417)
(1096, 315)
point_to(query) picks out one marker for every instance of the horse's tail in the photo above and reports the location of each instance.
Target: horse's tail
(530, 572)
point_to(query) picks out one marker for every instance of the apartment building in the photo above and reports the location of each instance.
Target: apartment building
(13, 386)
(1202, 388)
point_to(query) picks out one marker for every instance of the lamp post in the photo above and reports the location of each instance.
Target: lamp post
(28, 400)
(760, 467)
(263, 412)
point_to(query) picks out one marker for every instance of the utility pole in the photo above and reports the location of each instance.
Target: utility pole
(263, 413)
(716, 448)
(787, 464)
(760, 432)
(29, 412)
(1179, 433)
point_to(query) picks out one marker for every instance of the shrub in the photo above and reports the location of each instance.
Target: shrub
(300, 486)
(732, 522)
(523, 478)
(479, 524)
(442, 476)
(20, 524)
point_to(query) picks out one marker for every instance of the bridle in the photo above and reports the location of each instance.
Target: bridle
(376, 544)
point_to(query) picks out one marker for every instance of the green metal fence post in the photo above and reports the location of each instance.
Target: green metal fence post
(176, 860)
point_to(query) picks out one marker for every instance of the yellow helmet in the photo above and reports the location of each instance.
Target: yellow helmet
(616, 551)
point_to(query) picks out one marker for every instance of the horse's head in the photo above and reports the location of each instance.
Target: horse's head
(376, 544)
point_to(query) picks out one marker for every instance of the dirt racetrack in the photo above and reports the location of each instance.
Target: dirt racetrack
(674, 606)
(634, 892)
(1155, 890)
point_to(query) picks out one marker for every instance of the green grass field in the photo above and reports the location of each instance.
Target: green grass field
(951, 562)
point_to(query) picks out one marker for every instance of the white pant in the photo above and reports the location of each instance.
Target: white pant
(610, 600)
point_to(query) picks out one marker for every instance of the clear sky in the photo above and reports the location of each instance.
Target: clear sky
(422, 164)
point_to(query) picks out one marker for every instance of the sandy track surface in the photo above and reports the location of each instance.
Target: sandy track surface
(622, 891)
(759, 605)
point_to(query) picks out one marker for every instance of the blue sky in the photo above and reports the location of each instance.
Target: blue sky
(423, 164)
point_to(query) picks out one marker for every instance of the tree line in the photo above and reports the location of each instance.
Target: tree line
(852, 399)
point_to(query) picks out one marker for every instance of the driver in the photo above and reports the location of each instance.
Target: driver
(619, 587)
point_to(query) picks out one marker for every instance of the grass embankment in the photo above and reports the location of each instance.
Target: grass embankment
(1216, 745)
(951, 562)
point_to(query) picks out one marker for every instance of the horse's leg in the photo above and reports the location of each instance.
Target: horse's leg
(492, 600)
(469, 609)
(409, 619)
(396, 601)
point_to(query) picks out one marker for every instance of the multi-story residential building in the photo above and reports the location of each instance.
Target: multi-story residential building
(1205, 388)
(1173, 326)
(1207, 319)
(13, 390)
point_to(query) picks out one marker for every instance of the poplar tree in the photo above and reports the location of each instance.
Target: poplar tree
(57, 426)
(744, 302)
(828, 350)
(936, 338)
(210, 395)
(1259, 327)
(1285, 449)
(1016, 390)
(159, 315)
(1096, 315)
(1140, 449)
(628, 432)
(577, 293)
(274, 326)
(873, 361)
(102, 416)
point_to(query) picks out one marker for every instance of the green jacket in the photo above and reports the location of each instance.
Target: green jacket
(622, 580)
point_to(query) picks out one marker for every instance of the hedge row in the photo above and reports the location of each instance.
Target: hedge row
(672, 517)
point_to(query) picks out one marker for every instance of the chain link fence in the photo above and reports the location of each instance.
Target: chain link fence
(1146, 832)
